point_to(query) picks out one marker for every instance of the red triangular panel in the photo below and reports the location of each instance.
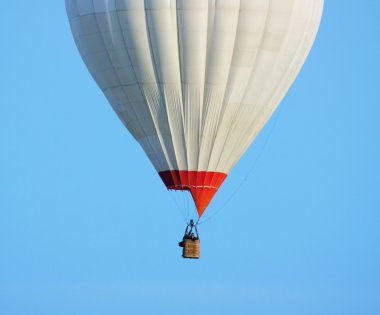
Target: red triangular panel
(203, 185)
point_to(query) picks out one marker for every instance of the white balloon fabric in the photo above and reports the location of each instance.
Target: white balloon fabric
(194, 81)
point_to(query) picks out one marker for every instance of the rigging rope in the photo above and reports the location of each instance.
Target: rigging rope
(251, 169)
(179, 208)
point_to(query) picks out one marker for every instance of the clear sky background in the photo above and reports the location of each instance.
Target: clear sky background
(88, 228)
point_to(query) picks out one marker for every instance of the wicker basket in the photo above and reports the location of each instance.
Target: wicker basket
(191, 249)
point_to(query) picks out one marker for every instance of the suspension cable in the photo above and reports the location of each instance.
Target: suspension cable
(251, 169)
(178, 207)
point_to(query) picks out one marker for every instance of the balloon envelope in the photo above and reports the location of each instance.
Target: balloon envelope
(194, 81)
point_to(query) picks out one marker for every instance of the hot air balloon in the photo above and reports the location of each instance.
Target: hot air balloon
(194, 81)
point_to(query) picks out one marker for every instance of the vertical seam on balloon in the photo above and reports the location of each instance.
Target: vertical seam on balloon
(259, 114)
(254, 106)
(202, 120)
(153, 98)
(177, 95)
(145, 97)
(111, 61)
(140, 87)
(305, 39)
(160, 87)
(246, 88)
(181, 86)
(217, 127)
(138, 84)
(201, 110)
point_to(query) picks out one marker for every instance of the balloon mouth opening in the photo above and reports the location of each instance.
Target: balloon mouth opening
(202, 185)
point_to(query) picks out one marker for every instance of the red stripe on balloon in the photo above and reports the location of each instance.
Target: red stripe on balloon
(202, 184)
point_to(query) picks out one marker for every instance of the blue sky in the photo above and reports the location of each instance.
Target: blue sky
(87, 227)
